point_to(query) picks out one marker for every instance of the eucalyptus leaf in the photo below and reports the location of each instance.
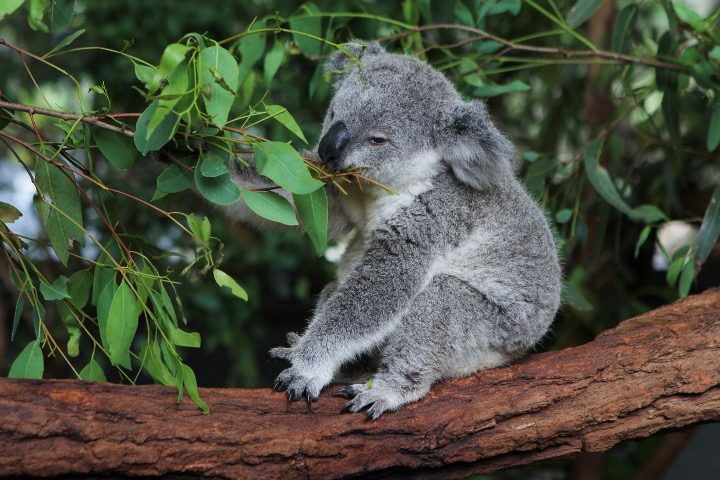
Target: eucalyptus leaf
(281, 114)
(282, 164)
(220, 190)
(29, 364)
(9, 6)
(225, 280)
(271, 206)
(709, 228)
(309, 25)
(581, 11)
(122, 322)
(92, 372)
(117, 148)
(624, 25)
(312, 209)
(218, 71)
(713, 135)
(56, 290)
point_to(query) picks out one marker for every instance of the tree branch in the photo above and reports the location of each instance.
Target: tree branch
(562, 52)
(658, 371)
(91, 119)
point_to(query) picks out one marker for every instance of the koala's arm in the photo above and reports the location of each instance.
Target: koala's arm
(366, 305)
(246, 176)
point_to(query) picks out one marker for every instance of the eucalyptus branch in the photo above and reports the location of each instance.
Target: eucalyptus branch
(561, 52)
(91, 119)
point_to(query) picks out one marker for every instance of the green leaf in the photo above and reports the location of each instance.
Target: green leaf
(251, 49)
(309, 25)
(73, 343)
(689, 16)
(713, 135)
(60, 13)
(9, 6)
(537, 173)
(214, 162)
(581, 11)
(220, 190)
(55, 291)
(17, 315)
(173, 179)
(463, 13)
(678, 260)
(225, 280)
(185, 339)
(145, 74)
(666, 52)
(199, 228)
(494, 90)
(150, 140)
(37, 15)
(29, 364)
(686, 279)
(624, 25)
(79, 288)
(122, 322)
(58, 204)
(644, 234)
(282, 164)
(152, 362)
(66, 41)
(190, 384)
(714, 53)
(173, 55)
(270, 205)
(92, 372)
(117, 148)
(709, 228)
(272, 62)
(603, 184)
(8, 213)
(312, 209)
(563, 216)
(502, 6)
(218, 71)
(281, 114)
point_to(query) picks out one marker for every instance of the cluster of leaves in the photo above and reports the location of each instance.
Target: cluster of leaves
(199, 102)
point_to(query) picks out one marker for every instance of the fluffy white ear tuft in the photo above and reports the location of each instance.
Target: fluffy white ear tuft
(340, 63)
(469, 142)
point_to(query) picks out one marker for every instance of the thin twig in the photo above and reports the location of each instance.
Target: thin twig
(564, 52)
(91, 119)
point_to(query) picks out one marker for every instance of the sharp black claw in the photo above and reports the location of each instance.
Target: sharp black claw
(309, 404)
(293, 395)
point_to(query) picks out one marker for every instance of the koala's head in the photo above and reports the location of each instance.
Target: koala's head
(400, 119)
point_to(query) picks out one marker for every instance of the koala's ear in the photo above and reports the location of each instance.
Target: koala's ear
(469, 142)
(340, 63)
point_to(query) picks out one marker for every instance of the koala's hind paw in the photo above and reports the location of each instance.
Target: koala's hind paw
(297, 385)
(378, 399)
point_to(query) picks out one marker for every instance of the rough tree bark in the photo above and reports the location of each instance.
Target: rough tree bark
(658, 371)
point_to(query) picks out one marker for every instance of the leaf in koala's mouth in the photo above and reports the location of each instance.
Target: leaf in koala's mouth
(341, 178)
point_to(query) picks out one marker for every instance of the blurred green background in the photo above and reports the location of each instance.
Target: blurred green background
(553, 107)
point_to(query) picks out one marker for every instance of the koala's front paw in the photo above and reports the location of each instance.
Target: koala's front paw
(298, 383)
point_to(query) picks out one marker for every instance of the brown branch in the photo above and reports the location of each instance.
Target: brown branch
(91, 119)
(563, 52)
(657, 371)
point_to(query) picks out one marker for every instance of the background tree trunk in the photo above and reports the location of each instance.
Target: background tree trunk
(657, 371)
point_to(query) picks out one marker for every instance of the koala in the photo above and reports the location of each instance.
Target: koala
(454, 272)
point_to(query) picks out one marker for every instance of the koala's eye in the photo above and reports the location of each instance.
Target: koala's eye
(377, 140)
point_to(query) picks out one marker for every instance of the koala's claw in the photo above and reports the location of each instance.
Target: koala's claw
(298, 385)
(377, 401)
(281, 352)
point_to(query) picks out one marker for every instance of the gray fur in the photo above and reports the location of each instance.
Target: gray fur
(456, 273)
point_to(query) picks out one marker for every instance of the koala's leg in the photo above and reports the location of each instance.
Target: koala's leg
(447, 332)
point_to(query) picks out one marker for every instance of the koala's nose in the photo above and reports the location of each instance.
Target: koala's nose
(333, 143)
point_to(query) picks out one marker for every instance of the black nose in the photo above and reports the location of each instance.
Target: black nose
(333, 143)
